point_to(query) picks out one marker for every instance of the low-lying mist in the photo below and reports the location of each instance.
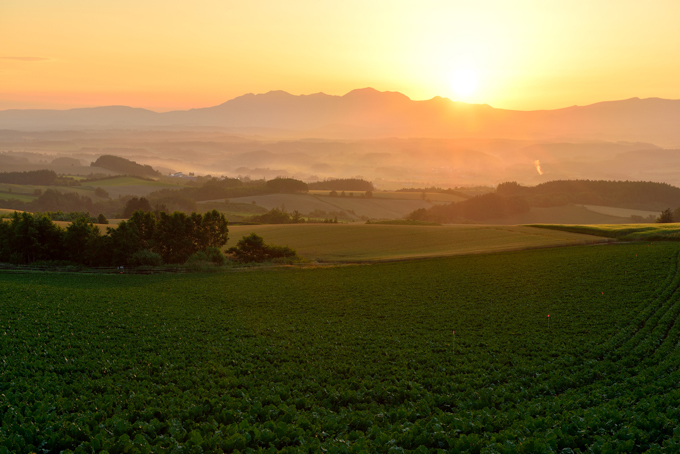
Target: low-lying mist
(390, 163)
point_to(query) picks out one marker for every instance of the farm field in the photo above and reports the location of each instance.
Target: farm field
(23, 196)
(359, 242)
(620, 212)
(373, 208)
(628, 232)
(350, 358)
(8, 211)
(568, 214)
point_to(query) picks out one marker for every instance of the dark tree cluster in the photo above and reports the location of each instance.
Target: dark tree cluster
(142, 240)
(53, 200)
(287, 185)
(36, 177)
(476, 209)
(252, 248)
(124, 166)
(136, 204)
(343, 184)
(438, 190)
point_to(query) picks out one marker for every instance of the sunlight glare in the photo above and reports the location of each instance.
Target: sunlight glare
(464, 82)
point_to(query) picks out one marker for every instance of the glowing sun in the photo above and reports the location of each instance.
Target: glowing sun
(464, 82)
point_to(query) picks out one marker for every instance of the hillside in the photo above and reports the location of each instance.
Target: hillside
(635, 195)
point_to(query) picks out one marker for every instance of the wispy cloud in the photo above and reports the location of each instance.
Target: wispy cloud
(25, 58)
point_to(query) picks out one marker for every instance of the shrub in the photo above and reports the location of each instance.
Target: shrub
(252, 248)
(215, 255)
(101, 192)
(209, 255)
(145, 258)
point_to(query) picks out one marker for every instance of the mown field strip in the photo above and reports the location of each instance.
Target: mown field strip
(361, 242)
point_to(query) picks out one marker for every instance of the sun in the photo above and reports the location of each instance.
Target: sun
(464, 82)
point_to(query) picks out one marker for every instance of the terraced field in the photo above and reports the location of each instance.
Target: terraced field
(351, 358)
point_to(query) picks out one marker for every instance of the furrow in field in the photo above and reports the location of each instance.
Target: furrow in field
(628, 336)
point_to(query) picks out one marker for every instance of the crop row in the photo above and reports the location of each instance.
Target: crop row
(351, 358)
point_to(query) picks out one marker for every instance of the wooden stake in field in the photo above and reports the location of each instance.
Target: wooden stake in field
(453, 349)
(548, 322)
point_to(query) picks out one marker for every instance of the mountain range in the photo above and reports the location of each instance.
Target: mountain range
(367, 113)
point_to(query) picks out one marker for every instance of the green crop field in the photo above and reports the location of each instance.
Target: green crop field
(24, 197)
(357, 242)
(627, 232)
(350, 358)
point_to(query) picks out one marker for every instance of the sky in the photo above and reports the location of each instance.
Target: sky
(175, 54)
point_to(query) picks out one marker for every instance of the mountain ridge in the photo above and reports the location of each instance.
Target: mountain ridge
(383, 113)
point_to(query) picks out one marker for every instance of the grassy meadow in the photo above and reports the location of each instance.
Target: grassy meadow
(360, 242)
(350, 359)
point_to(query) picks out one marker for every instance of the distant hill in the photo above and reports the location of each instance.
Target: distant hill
(636, 195)
(370, 113)
(125, 166)
(512, 200)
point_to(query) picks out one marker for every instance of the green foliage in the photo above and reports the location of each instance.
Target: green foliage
(174, 238)
(210, 255)
(27, 238)
(178, 236)
(352, 358)
(66, 217)
(81, 241)
(101, 219)
(145, 258)
(252, 248)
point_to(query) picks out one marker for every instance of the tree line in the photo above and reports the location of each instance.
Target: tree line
(37, 177)
(145, 239)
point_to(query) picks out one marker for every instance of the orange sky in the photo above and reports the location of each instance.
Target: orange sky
(172, 54)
